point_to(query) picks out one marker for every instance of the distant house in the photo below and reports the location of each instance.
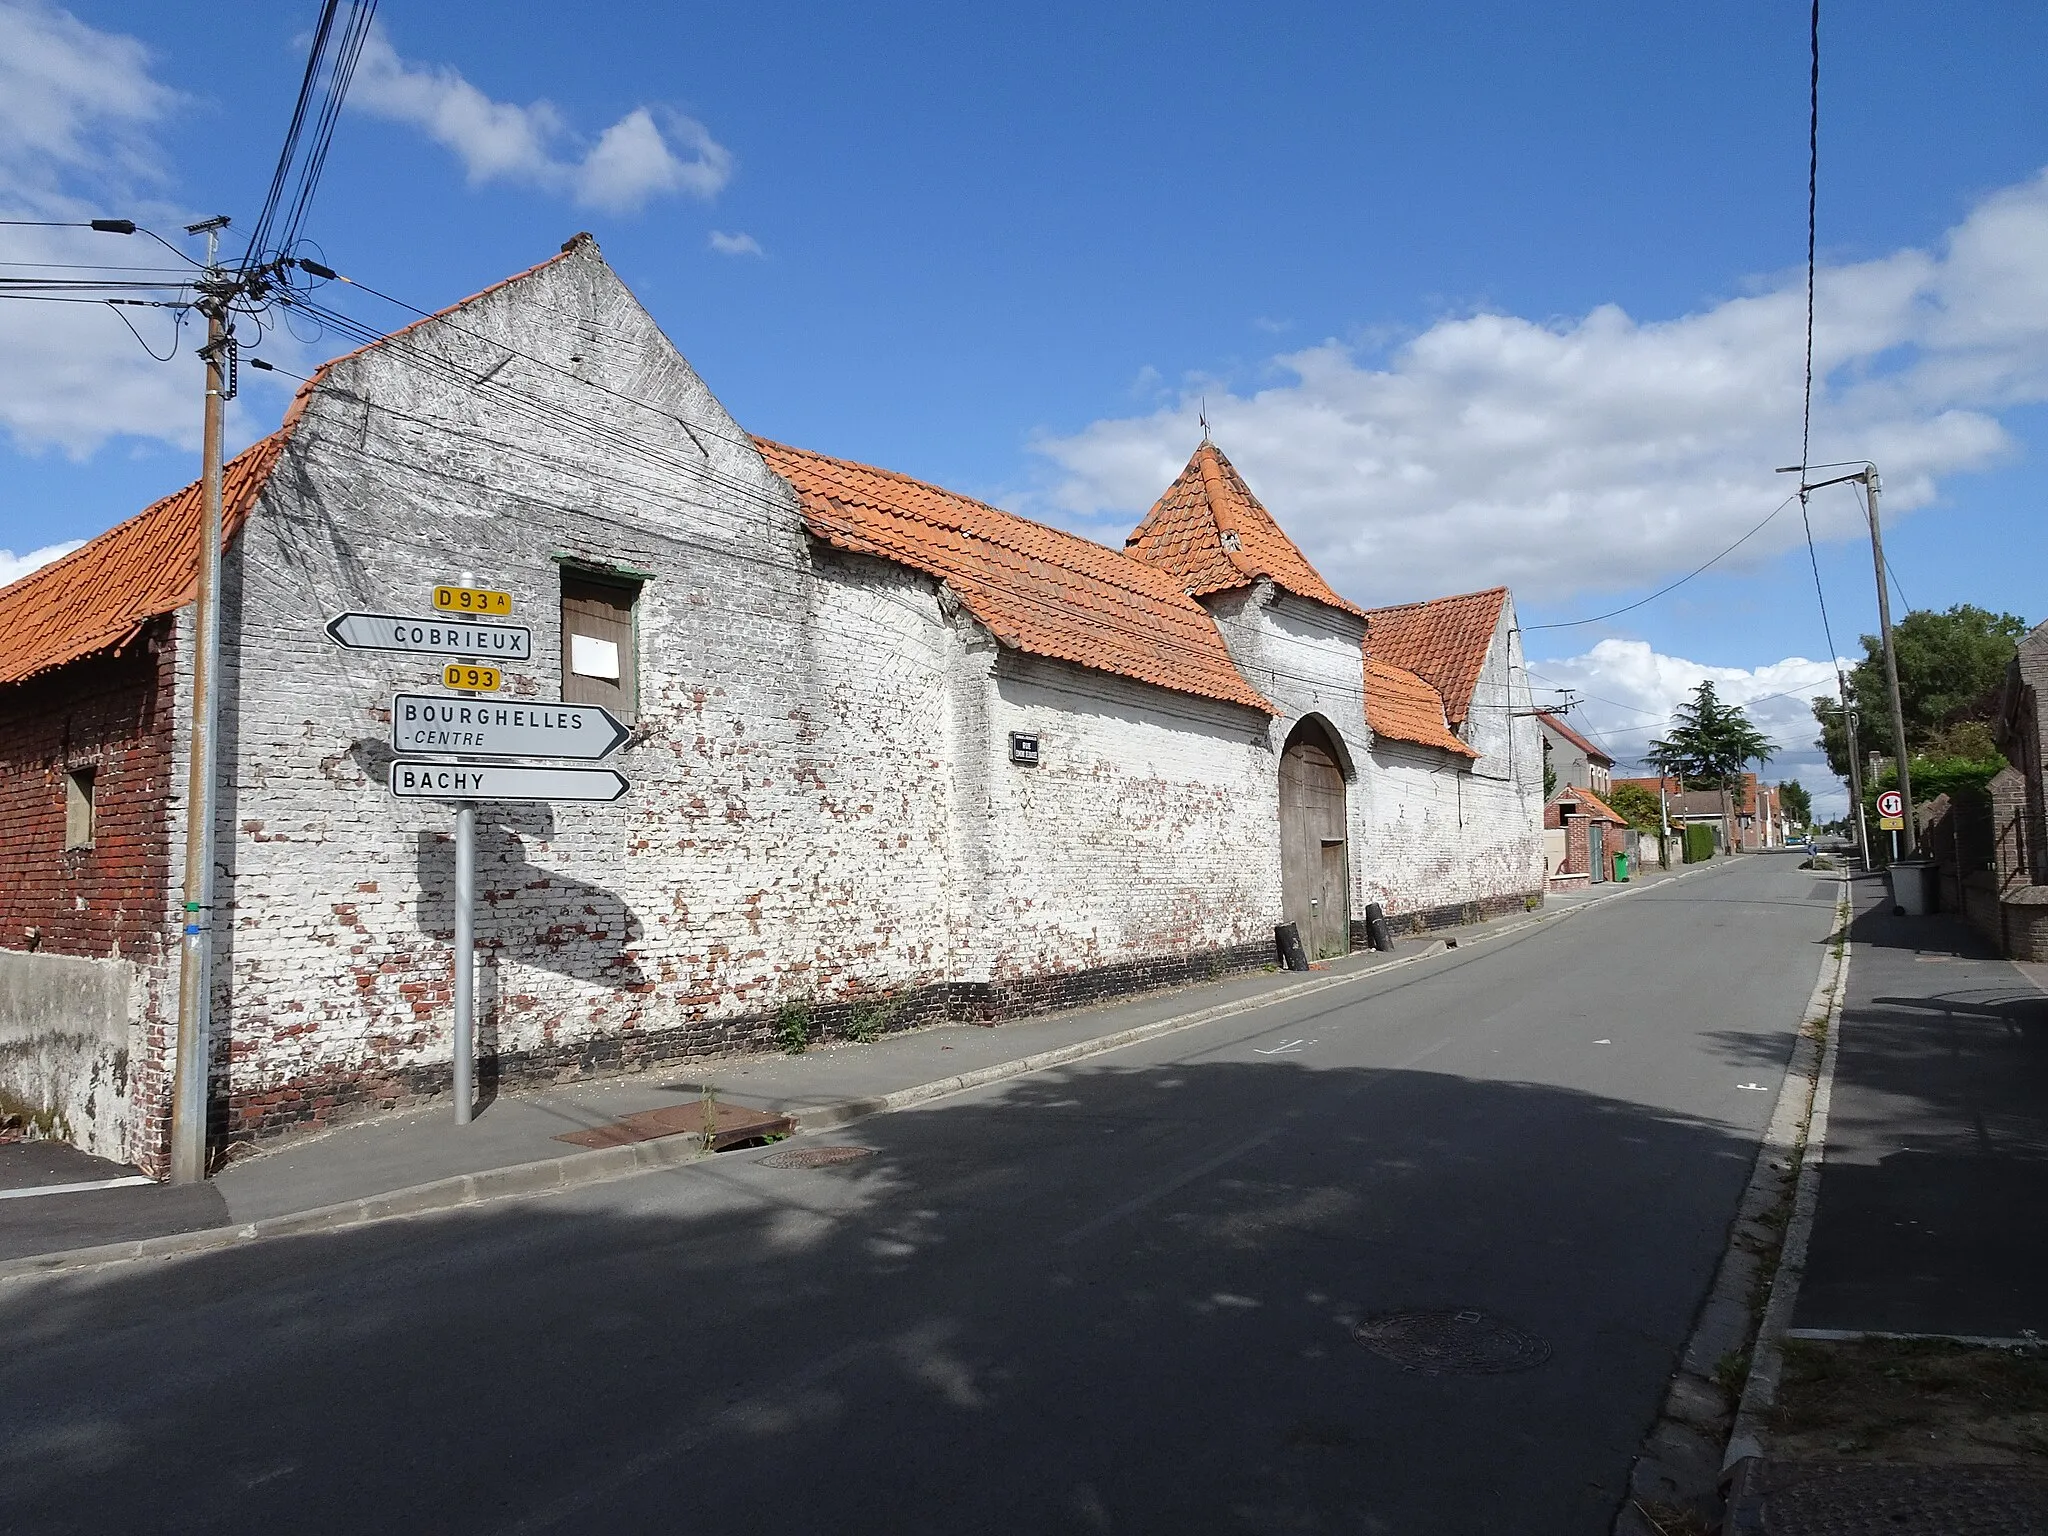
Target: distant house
(1749, 819)
(1572, 757)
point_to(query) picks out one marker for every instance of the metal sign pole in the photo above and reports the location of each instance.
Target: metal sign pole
(465, 961)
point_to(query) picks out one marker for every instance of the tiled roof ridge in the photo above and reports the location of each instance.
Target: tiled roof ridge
(1431, 602)
(1406, 708)
(1115, 568)
(1556, 723)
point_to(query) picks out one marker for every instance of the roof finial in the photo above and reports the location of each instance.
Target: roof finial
(1202, 415)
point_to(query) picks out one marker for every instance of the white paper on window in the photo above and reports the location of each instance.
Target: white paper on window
(592, 657)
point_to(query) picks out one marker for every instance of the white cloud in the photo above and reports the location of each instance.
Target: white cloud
(1604, 452)
(1629, 691)
(79, 112)
(13, 567)
(735, 244)
(647, 153)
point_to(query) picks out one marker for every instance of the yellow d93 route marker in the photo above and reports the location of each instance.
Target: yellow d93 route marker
(471, 679)
(472, 600)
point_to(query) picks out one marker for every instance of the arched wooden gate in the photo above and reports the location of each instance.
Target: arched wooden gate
(1315, 868)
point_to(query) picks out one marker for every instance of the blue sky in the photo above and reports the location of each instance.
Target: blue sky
(1471, 292)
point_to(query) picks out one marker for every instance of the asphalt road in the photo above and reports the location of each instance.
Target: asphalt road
(1121, 1297)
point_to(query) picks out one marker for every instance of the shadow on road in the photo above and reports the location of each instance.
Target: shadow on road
(1112, 1300)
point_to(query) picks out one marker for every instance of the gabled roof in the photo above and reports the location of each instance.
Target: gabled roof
(1444, 641)
(99, 597)
(1580, 795)
(1556, 723)
(1035, 588)
(1401, 705)
(1210, 533)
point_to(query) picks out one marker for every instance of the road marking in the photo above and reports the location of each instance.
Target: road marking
(1752, 1087)
(75, 1189)
(1284, 1048)
(1603, 1042)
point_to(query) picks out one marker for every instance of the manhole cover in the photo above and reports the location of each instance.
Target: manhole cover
(1467, 1343)
(816, 1157)
(1912, 1501)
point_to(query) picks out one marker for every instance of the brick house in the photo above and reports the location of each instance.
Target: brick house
(889, 744)
(1583, 835)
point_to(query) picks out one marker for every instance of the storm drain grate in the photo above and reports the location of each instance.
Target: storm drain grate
(1841, 1500)
(1464, 1343)
(816, 1157)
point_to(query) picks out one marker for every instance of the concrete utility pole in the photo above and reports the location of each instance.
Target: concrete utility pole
(1867, 476)
(195, 976)
(1891, 660)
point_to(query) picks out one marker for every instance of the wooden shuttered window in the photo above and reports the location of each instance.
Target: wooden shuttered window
(599, 660)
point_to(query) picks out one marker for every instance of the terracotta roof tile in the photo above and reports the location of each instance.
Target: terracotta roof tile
(1556, 723)
(1401, 705)
(1585, 797)
(1036, 588)
(1444, 640)
(1210, 533)
(98, 597)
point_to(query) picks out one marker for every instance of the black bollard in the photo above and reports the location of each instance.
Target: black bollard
(1376, 928)
(1292, 955)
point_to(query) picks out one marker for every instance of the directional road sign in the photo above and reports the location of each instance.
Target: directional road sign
(432, 637)
(457, 727)
(411, 780)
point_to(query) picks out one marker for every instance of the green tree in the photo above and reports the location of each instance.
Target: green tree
(1639, 805)
(1951, 667)
(1710, 746)
(1797, 802)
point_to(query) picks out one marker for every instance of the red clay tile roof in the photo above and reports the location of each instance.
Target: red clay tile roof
(98, 597)
(1444, 641)
(1189, 532)
(1556, 723)
(1401, 705)
(1036, 589)
(1586, 797)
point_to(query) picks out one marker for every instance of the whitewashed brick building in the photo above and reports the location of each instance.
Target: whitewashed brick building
(893, 750)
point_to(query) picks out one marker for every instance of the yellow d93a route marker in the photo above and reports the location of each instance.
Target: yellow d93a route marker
(471, 679)
(472, 600)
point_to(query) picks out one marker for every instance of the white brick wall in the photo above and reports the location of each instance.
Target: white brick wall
(823, 801)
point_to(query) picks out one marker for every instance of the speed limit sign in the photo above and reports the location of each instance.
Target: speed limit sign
(1891, 803)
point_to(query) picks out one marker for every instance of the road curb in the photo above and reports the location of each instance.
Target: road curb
(1688, 1454)
(575, 1169)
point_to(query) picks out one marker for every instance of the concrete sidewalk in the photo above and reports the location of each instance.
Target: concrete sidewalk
(418, 1160)
(1931, 1224)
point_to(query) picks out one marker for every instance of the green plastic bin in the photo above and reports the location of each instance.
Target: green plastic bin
(1621, 866)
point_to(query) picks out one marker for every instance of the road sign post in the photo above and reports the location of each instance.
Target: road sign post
(476, 749)
(465, 962)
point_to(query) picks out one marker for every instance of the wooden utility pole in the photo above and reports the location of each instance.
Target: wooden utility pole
(195, 976)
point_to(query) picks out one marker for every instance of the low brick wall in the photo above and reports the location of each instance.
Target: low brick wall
(1456, 915)
(2023, 918)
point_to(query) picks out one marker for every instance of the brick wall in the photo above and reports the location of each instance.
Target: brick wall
(79, 1056)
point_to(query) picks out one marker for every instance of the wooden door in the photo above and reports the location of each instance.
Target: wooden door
(1315, 871)
(598, 660)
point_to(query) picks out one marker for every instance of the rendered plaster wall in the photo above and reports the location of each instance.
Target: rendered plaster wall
(66, 1027)
(1149, 826)
(786, 834)
(1439, 834)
